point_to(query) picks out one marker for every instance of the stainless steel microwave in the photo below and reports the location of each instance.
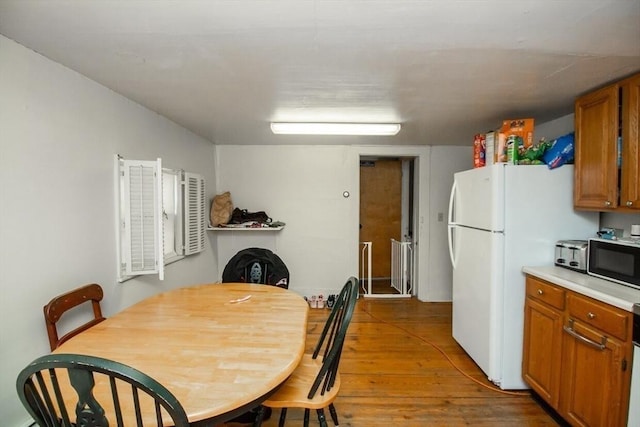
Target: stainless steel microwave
(615, 260)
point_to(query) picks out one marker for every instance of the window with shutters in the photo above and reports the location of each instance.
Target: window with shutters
(161, 216)
(195, 214)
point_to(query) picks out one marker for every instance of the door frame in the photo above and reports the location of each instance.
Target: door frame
(394, 211)
(421, 156)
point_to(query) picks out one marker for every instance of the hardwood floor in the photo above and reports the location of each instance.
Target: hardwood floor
(381, 286)
(396, 370)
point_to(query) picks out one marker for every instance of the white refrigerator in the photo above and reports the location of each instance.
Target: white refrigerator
(501, 218)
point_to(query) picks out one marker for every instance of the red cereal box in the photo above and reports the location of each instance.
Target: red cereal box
(479, 150)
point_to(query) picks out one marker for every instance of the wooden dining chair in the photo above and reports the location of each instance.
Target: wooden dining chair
(127, 397)
(65, 302)
(315, 382)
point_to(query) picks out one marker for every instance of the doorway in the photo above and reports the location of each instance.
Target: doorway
(386, 225)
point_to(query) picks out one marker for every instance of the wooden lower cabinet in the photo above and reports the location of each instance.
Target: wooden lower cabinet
(542, 330)
(592, 379)
(577, 354)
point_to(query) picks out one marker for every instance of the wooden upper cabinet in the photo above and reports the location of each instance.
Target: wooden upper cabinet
(606, 125)
(596, 132)
(630, 177)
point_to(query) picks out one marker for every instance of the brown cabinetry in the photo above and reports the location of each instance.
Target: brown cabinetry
(577, 354)
(630, 182)
(543, 329)
(594, 352)
(607, 161)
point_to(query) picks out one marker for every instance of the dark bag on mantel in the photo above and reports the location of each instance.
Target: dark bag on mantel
(240, 216)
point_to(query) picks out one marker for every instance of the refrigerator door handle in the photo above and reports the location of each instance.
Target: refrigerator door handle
(451, 225)
(450, 238)
(452, 196)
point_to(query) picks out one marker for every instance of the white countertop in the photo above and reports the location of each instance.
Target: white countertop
(612, 293)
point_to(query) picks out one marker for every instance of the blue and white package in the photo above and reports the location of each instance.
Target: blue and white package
(560, 152)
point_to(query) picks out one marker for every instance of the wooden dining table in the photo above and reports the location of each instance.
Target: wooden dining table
(221, 349)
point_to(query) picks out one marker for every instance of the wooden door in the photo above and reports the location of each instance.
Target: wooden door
(542, 350)
(596, 172)
(630, 185)
(380, 210)
(592, 379)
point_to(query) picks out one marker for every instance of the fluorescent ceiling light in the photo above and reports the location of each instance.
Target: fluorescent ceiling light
(335, 128)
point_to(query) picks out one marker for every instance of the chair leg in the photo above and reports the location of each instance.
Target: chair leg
(257, 421)
(321, 418)
(334, 414)
(283, 415)
(306, 418)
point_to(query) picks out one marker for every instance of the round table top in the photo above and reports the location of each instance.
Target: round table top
(216, 347)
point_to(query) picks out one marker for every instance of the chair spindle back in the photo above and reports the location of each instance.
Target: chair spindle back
(44, 388)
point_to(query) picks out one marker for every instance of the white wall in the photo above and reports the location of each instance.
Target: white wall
(445, 162)
(59, 133)
(617, 220)
(554, 129)
(303, 185)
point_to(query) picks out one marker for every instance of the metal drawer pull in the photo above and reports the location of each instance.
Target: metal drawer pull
(591, 316)
(569, 329)
(540, 292)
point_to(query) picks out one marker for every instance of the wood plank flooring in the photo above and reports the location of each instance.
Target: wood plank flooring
(381, 286)
(397, 370)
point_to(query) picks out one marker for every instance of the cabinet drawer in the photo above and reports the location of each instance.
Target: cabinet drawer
(609, 320)
(545, 292)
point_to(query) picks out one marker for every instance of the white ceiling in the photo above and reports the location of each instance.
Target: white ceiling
(445, 69)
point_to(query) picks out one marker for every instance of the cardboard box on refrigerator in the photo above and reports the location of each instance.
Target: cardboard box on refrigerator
(500, 147)
(522, 128)
(491, 140)
(479, 150)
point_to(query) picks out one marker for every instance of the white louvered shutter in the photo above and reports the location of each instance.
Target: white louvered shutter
(194, 213)
(142, 202)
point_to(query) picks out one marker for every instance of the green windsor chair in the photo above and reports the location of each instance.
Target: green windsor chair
(134, 395)
(316, 381)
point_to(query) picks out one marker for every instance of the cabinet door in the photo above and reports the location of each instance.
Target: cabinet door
(542, 350)
(592, 378)
(596, 132)
(630, 179)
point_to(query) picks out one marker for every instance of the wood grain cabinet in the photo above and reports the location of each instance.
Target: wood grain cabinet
(607, 156)
(630, 182)
(596, 361)
(543, 317)
(577, 354)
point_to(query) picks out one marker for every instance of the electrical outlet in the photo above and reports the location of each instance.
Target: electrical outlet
(440, 217)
